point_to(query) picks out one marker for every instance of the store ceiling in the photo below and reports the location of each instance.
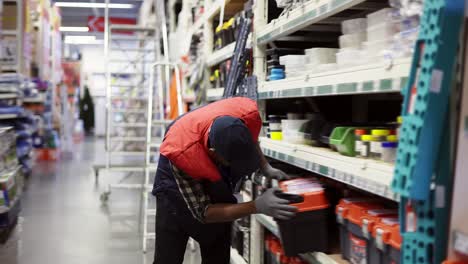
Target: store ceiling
(78, 17)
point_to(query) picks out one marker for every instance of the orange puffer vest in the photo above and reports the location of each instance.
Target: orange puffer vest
(186, 143)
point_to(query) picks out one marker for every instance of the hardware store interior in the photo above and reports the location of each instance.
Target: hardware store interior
(233, 131)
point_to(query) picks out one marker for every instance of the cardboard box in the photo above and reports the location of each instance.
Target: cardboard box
(9, 16)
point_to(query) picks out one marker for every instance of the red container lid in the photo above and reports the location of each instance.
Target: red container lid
(285, 260)
(310, 189)
(275, 247)
(342, 208)
(358, 210)
(372, 217)
(390, 232)
(360, 132)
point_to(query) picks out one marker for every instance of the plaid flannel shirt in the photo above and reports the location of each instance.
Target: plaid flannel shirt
(193, 192)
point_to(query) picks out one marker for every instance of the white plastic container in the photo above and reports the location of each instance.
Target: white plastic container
(353, 26)
(352, 40)
(290, 129)
(327, 67)
(317, 56)
(379, 17)
(292, 60)
(374, 48)
(382, 31)
(348, 57)
(389, 150)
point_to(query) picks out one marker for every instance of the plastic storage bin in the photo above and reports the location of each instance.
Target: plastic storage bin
(348, 57)
(353, 26)
(387, 241)
(316, 56)
(297, 234)
(369, 220)
(349, 211)
(292, 60)
(379, 17)
(352, 40)
(344, 140)
(382, 31)
(291, 130)
(375, 48)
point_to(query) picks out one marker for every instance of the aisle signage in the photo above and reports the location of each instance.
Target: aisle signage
(97, 24)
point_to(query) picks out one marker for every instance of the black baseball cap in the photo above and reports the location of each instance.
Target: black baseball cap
(232, 140)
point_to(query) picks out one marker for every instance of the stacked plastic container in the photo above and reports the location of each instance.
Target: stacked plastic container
(274, 253)
(293, 64)
(297, 234)
(367, 231)
(384, 34)
(354, 34)
(320, 59)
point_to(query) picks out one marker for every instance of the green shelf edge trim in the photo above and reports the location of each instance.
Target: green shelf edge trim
(385, 191)
(383, 85)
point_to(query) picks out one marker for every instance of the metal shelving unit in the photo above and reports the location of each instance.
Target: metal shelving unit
(17, 66)
(365, 174)
(383, 77)
(307, 14)
(386, 76)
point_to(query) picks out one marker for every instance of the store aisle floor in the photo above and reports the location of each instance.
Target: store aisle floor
(64, 221)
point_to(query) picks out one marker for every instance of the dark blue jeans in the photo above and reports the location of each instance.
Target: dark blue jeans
(175, 224)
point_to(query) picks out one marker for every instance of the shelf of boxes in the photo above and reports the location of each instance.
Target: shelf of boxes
(382, 77)
(302, 16)
(365, 174)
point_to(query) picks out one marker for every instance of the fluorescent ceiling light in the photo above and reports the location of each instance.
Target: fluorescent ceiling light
(83, 40)
(74, 29)
(92, 5)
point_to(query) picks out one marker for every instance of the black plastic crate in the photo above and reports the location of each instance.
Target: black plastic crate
(306, 232)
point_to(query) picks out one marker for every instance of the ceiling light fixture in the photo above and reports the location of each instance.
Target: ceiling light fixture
(82, 40)
(74, 29)
(92, 5)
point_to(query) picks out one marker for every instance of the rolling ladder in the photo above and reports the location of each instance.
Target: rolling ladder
(130, 50)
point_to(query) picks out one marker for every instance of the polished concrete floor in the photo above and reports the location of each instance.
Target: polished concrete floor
(64, 221)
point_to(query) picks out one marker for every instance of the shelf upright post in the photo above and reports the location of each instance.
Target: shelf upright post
(259, 21)
(108, 82)
(458, 229)
(423, 170)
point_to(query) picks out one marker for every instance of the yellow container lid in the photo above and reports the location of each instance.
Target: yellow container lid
(367, 138)
(276, 135)
(380, 132)
(218, 28)
(392, 138)
(400, 120)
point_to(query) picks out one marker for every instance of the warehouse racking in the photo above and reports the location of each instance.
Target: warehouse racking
(385, 78)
